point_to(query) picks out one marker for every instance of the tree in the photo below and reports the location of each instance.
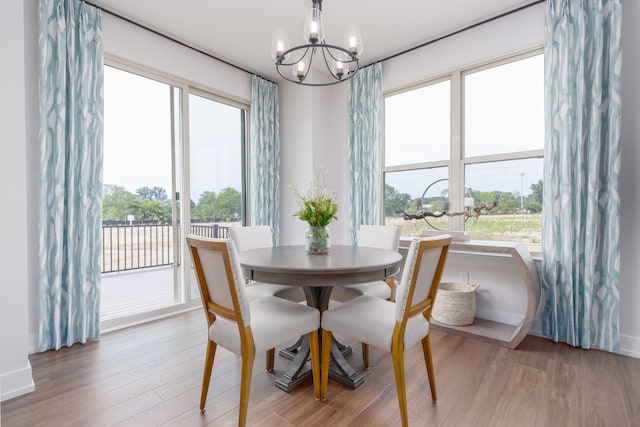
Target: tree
(117, 203)
(394, 201)
(151, 210)
(228, 204)
(204, 210)
(536, 192)
(507, 203)
(152, 193)
(533, 207)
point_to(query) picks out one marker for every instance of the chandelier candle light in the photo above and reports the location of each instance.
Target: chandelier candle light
(294, 64)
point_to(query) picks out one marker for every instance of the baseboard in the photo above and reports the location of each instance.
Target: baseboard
(630, 346)
(536, 328)
(499, 316)
(16, 383)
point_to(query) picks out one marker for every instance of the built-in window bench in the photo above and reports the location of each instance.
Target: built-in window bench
(509, 292)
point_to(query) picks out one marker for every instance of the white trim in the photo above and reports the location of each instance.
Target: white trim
(630, 346)
(16, 383)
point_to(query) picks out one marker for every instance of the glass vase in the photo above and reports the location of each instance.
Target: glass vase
(317, 240)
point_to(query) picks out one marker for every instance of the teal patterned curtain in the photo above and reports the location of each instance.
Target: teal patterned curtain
(581, 225)
(70, 143)
(265, 155)
(365, 148)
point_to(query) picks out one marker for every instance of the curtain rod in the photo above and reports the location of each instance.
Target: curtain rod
(477, 24)
(158, 33)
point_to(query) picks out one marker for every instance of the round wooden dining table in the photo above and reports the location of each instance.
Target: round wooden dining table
(318, 274)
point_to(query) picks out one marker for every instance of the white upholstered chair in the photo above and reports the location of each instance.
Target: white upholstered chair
(394, 326)
(242, 327)
(374, 236)
(255, 237)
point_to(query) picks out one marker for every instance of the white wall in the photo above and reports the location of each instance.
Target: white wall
(135, 44)
(296, 156)
(330, 148)
(515, 33)
(313, 123)
(15, 370)
(630, 181)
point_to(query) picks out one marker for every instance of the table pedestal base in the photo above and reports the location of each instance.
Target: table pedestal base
(300, 369)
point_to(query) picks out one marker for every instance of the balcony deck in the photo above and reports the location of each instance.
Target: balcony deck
(132, 292)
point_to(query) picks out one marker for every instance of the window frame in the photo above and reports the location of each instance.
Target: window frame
(457, 161)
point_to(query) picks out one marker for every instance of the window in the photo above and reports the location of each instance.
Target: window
(412, 128)
(475, 136)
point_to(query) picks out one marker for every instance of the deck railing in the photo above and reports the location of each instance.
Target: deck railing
(138, 246)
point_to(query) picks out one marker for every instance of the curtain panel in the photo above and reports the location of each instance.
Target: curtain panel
(581, 224)
(364, 160)
(265, 155)
(70, 142)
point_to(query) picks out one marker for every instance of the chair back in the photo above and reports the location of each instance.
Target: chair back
(379, 236)
(421, 277)
(252, 237)
(219, 276)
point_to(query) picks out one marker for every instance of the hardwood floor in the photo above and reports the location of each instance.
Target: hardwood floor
(150, 375)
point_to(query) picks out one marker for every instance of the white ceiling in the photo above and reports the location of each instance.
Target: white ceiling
(240, 31)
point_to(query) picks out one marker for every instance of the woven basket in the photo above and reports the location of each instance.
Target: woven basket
(455, 304)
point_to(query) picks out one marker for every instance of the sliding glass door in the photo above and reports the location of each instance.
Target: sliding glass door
(174, 164)
(140, 257)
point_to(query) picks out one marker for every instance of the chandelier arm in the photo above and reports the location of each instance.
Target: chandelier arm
(313, 51)
(282, 57)
(326, 62)
(349, 76)
(352, 57)
(311, 47)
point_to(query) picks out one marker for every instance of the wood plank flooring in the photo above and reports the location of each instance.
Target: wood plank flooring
(150, 375)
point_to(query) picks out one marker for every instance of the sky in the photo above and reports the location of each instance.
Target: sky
(137, 131)
(137, 149)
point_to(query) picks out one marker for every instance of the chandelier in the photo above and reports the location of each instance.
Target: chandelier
(295, 64)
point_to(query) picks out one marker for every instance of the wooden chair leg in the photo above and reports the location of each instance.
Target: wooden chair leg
(324, 369)
(397, 356)
(315, 362)
(428, 360)
(269, 359)
(245, 385)
(206, 377)
(392, 284)
(365, 355)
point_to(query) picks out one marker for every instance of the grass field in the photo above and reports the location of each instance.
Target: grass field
(525, 228)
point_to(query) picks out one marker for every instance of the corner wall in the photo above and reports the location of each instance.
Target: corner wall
(630, 181)
(15, 369)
